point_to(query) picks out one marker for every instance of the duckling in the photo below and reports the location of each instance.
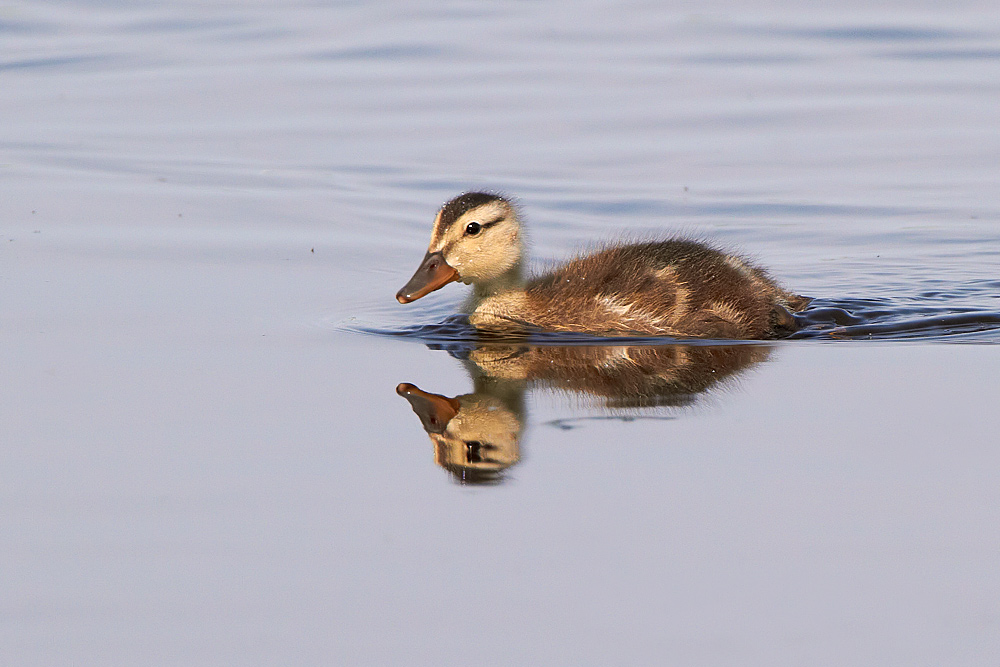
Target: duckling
(677, 287)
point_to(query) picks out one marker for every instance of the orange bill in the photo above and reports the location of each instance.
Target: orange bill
(434, 410)
(433, 273)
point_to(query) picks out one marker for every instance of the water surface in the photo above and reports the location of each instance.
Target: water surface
(207, 210)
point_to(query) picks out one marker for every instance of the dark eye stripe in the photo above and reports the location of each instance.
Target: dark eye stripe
(482, 225)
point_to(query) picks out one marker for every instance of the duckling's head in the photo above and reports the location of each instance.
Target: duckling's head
(476, 239)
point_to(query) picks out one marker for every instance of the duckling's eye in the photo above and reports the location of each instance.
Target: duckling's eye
(472, 451)
(473, 228)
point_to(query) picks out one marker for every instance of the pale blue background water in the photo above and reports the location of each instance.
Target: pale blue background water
(200, 463)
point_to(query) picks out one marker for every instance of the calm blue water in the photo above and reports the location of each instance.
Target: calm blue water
(208, 208)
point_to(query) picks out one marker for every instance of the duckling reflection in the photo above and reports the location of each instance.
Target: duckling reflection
(477, 436)
(620, 376)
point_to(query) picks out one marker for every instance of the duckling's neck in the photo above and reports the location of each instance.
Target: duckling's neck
(510, 280)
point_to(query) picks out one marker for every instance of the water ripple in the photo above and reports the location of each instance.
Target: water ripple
(825, 319)
(947, 54)
(51, 62)
(878, 319)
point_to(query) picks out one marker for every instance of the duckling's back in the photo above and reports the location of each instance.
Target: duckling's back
(677, 288)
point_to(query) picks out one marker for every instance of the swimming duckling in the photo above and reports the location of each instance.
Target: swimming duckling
(676, 287)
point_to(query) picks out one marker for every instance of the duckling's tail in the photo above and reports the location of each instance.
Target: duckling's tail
(797, 303)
